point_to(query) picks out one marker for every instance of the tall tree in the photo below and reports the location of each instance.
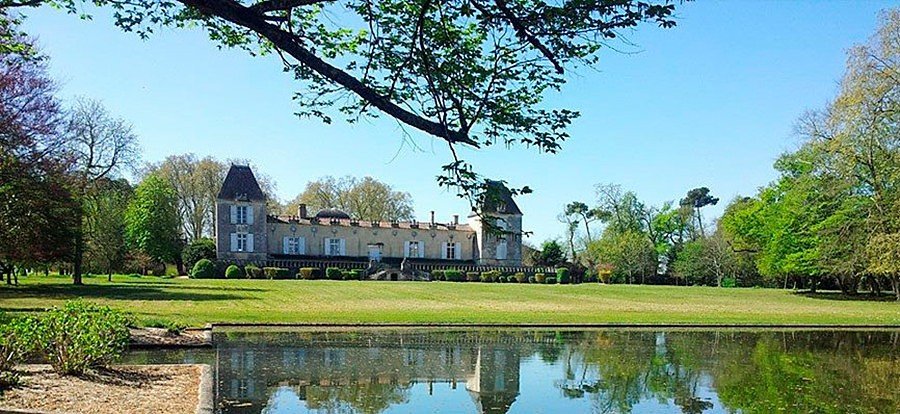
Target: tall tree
(696, 199)
(102, 146)
(104, 225)
(586, 214)
(362, 199)
(196, 182)
(152, 222)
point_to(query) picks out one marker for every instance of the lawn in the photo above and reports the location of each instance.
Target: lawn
(196, 302)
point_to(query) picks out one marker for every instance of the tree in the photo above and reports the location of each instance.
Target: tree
(884, 253)
(151, 220)
(196, 182)
(102, 146)
(551, 254)
(587, 215)
(363, 199)
(104, 225)
(696, 199)
(630, 253)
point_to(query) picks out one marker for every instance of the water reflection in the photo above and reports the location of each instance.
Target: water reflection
(515, 371)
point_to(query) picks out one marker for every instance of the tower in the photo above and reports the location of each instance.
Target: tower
(500, 242)
(241, 217)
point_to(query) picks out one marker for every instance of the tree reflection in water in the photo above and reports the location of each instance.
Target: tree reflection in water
(600, 371)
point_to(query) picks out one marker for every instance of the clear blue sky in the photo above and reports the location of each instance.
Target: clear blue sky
(711, 102)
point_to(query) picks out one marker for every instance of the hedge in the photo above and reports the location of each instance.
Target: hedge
(520, 277)
(204, 269)
(562, 275)
(539, 278)
(453, 275)
(253, 272)
(438, 275)
(473, 276)
(308, 273)
(233, 272)
(333, 273)
(551, 280)
(277, 273)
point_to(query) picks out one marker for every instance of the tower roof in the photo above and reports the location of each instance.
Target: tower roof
(240, 184)
(332, 213)
(498, 200)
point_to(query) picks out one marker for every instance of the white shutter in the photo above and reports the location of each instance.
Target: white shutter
(444, 250)
(326, 251)
(343, 247)
(233, 209)
(284, 245)
(233, 242)
(406, 248)
(301, 245)
(421, 249)
(457, 249)
(250, 242)
(501, 250)
(249, 214)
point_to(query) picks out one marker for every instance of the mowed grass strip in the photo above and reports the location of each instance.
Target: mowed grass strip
(197, 302)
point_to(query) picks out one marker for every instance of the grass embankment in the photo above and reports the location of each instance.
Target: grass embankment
(196, 302)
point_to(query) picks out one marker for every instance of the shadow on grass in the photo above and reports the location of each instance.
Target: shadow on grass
(859, 297)
(118, 292)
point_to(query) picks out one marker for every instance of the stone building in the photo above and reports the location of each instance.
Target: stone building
(246, 232)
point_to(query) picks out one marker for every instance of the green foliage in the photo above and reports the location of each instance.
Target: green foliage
(82, 335)
(308, 273)
(234, 272)
(630, 254)
(17, 342)
(520, 277)
(152, 224)
(254, 272)
(729, 282)
(333, 273)
(438, 275)
(453, 275)
(540, 278)
(490, 276)
(562, 275)
(169, 325)
(196, 250)
(473, 276)
(356, 274)
(277, 273)
(550, 280)
(551, 254)
(204, 269)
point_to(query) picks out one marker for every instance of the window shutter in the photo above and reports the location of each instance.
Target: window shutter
(501, 250)
(343, 247)
(284, 245)
(233, 209)
(301, 245)
(326, 251)
(443, 250)
(406, 249)
(233, 240)
(249, 214)
(250, 242)
(421, 249)
(457, 249)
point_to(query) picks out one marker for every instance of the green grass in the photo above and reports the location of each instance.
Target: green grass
(196, 302)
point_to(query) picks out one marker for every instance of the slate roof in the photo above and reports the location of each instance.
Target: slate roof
(387, 225)
(330, 213)
(240, 184)
(499, 200)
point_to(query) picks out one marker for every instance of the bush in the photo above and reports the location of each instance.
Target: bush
(204, 269)
(253, 272)
(170, 326)
(550, 280)
(333, 273)
(308, 273)
(540, 278)
(531, 279)
(473, 276)
(82, 335)
(16, 344)
(277, 273)
(198, 249)
(438, 275)
(490, 276)
(501, 279)
(562, 275)
(233, 272)
(729, 282)
(453, 275)
(520, 277)
(356, 274)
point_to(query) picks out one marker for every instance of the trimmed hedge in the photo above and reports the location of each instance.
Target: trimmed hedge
(356, 274)
(540, 278)
(453, 275)
(438, 275)
(253, 272)
(551, 280)
(562, 275)
(473, 276)
(204, 269)
(333, 273)
(277, 273)
(233, 272)
(490, 276)
(308, 273)
(520, 277)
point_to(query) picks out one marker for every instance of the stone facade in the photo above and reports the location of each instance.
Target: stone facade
(245, 232)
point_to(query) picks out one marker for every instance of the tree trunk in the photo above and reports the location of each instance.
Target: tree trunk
(78, 254)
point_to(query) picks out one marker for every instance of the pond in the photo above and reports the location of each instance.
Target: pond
(549, 371)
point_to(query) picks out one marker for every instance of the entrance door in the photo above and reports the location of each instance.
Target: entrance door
(375, 252)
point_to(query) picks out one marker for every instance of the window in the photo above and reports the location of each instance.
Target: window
(241, 242)
(413, 249)
(501, 249)
(241, 215)
(334, 247)
(294, 245)
(452, 252)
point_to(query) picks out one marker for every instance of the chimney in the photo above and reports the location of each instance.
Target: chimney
(301, 210)
(432, 217)
(456, 219)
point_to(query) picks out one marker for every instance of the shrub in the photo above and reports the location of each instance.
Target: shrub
(16, 344)
(308, 273)
(453, 275)
(356, 274)
(253, 272)
(490, 276)
(204, 269)
(540, 278)
(198, 249)
(82, 335)
(473, 276)
(520, 277)
(276, 273)
(550, 280)
(438, 275)
(233, 272)
(333, 273)
(170, 326)
(562, 275)
(501, 279)
(729, 282)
